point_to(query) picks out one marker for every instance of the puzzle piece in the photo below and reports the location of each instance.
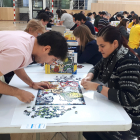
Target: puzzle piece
(80, 66)
(48, 112)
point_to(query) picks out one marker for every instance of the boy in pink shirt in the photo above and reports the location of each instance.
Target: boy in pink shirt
(18, 49)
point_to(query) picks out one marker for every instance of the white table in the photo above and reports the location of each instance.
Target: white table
(8, 104)
(40, 69)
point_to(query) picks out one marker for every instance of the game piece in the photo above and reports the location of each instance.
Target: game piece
(28, 106)
(79, 79)
(80, 66)
(33, 109)
(76, 112)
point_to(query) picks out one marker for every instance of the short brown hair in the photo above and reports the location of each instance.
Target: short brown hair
(85, 35)
(36, 25)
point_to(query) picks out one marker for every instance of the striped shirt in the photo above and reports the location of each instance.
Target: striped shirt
(103, 22)
(124, 88)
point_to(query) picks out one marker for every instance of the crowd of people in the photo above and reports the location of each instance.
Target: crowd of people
(113, 51)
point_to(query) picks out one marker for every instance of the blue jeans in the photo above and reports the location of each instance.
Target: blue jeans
(137, 51)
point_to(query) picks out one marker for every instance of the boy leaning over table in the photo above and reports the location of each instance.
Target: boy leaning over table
(18, 49)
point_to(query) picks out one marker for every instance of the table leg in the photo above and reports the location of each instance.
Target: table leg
(63, 135)
(37, 136)
(80, 136)
(5, 137)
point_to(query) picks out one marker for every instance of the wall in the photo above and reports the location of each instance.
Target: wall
(6, 13)
(77, 11)
(113, 7)
(120, 1)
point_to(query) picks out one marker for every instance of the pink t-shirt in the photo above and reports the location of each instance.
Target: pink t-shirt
(15, 50)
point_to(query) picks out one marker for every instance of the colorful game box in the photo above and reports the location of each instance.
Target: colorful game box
(69, 66)
(61, 93)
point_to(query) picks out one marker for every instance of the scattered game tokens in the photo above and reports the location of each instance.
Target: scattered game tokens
(47, 112)
(66, 78)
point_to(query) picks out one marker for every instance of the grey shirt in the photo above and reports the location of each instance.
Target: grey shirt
(68, 20)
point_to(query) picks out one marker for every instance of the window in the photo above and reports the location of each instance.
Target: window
(6, 3)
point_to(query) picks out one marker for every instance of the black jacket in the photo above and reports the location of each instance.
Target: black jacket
(97, 18)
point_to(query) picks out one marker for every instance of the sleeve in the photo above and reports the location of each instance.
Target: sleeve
(124, 33)
(10, 60)
(129, 78)
(95, 70)
(88, 53)
(130, 25)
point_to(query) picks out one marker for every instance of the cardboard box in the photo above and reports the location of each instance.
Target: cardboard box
(68, 66)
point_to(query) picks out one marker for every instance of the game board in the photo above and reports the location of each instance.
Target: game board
(69, 65)
(61, 93)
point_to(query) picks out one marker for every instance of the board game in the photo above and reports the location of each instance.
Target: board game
(61, 93)
(68, 66)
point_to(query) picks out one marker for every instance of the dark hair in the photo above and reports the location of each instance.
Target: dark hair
(132, 12)
(103, 13)
(125, 12)
(119, 15)
(47, 8)
(64, 11)
(89, 14)
(94, 13)
(81, 12)
(59, 12)
(74, 15)
(100, 13)
(50, 14)
(111, 33)
(123, 23)
(79, 17)
(43, 16)
(137, 19)
(58, 49)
